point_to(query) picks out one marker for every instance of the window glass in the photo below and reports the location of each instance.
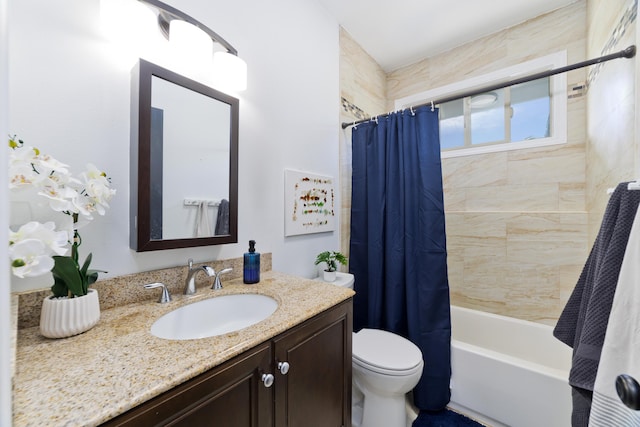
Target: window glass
(452, 124)
(487, 117)
(512, 114)
(531, 112)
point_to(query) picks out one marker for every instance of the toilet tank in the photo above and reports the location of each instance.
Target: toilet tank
(343, 280)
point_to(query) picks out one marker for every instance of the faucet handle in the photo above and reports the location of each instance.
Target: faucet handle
(165, 296)
(217, 284)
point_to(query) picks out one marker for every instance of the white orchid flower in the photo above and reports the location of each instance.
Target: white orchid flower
(54, 241)
(27, 167)
(97, 185)
(21, 176)
(21, 170)
(83, 206)
(31, 248)
(30, 258)
(46, 162)
(23, 154)
(60, 198)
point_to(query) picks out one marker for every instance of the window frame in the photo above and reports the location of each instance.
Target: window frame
(558, 91)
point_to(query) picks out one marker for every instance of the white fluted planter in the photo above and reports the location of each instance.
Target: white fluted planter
(65, 317)
(329, 276)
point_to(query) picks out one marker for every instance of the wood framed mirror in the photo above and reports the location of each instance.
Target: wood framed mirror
(183, 162)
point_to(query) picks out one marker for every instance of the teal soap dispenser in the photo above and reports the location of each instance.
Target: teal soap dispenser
(251, 264)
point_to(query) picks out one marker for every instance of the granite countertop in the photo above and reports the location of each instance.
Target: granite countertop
(90, 378)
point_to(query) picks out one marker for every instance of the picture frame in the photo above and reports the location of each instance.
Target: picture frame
(309, 203)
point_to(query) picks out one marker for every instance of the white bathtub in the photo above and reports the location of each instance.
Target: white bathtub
(508, 371)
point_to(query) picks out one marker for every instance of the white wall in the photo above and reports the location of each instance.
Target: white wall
(69, 95)
(5, 320)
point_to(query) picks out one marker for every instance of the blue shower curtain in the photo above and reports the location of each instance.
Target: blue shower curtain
(398, 246)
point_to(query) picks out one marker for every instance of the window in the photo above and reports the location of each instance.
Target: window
(526, 115)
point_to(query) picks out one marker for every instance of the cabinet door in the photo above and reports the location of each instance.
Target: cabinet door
(316, 391)
(230, 395)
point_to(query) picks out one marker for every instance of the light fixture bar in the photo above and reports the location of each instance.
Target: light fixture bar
(168, 13)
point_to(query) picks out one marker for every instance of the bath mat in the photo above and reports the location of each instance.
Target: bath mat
(446, 418)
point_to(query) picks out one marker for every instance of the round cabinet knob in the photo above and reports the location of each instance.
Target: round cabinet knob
(629, 391)
(283, 367)
(267, 380)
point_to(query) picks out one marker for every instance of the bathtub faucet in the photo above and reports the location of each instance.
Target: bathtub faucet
(190, 282)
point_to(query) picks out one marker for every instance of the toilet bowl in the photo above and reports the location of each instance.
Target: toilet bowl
(386, 367)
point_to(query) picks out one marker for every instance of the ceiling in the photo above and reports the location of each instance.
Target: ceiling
(402, 32)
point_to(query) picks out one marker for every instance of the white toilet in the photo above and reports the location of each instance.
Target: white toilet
(386, 367)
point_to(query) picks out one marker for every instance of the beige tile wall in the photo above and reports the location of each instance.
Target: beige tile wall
(520, 224)
(362, 84)
(612, 139)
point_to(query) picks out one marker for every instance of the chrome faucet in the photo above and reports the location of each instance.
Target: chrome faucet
(217, 284)
(165, 296)
(190, 282)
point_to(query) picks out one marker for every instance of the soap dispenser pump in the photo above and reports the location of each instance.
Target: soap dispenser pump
(251, 264)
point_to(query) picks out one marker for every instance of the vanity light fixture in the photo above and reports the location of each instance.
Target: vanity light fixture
(229, 71)
(186, 34)
(190, 45)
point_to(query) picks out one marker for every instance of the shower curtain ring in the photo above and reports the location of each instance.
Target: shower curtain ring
(432, 107)
(413, 113)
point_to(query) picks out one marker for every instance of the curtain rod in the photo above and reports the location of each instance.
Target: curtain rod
(629, 52)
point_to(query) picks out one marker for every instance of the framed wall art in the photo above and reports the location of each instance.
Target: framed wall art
(309, 203)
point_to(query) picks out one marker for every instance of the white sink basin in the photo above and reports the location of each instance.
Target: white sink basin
(214, 316)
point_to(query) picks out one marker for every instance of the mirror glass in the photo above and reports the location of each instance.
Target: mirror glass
(184, 162)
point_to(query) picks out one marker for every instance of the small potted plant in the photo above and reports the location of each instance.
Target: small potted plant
(36, 249)
(330, 258)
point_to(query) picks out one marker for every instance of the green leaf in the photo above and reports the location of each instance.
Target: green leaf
(323, 257)
(330, 258)
(92, 276)
(83, 274)
(59, 288)
(65, 272)
(87, 262)
(341, 258)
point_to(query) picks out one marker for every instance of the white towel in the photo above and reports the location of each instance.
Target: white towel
(203, 228)
(621, 349)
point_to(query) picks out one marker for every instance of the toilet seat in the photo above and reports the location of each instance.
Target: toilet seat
(386, 353)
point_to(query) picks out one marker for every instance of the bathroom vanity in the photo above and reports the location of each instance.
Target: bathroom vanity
(299, 378)
(292, 369)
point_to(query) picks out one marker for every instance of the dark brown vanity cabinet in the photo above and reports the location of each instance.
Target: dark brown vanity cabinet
(307, 368)
(231, 394)
(316, 390)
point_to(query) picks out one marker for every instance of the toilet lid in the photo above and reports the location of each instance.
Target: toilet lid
(385, 350)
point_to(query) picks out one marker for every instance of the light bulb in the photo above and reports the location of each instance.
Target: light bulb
(229, 71)
(190, 44)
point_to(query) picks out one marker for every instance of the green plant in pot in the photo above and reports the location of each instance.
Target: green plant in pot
(38, 248)
(331, 260)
